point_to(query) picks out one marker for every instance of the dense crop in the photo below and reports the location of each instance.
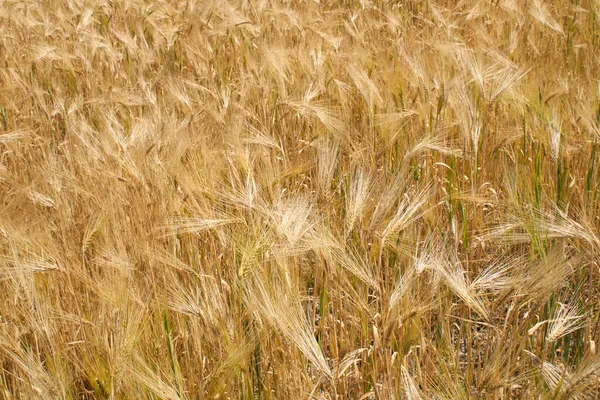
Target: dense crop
(299, 199)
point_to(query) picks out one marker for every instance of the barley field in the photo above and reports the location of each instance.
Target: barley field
(321, 199)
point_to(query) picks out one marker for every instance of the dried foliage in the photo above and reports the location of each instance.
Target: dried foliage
(263, 199)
